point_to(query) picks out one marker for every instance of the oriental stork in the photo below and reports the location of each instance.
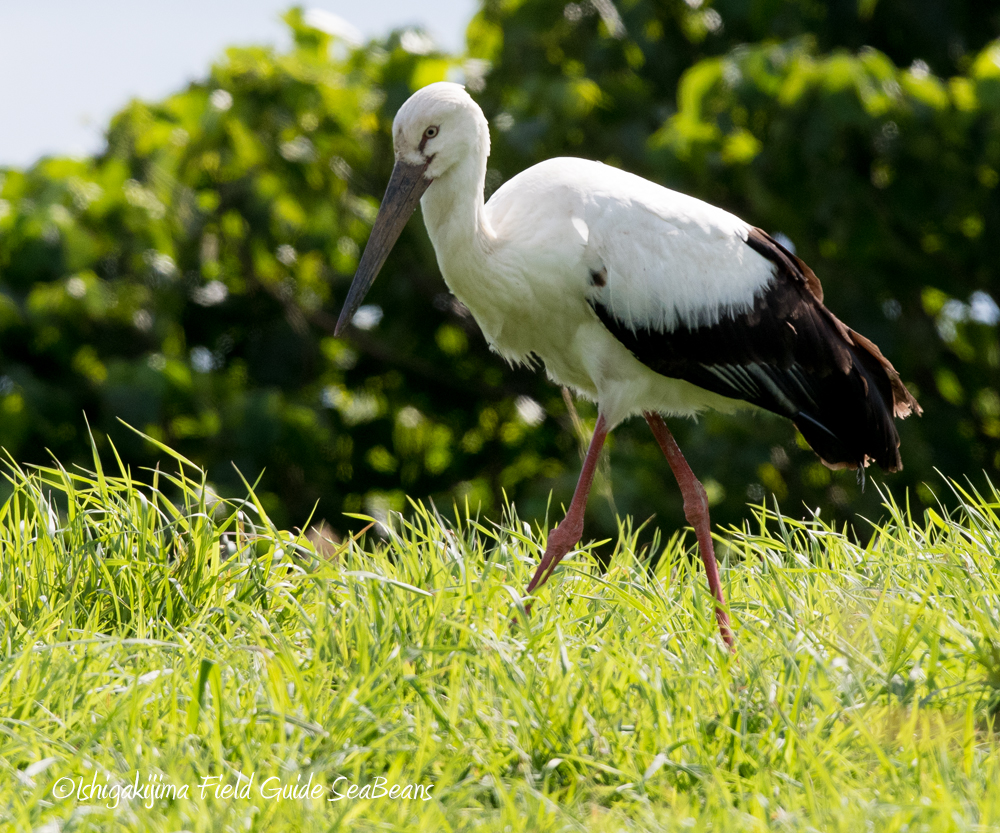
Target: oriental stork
(642, 299)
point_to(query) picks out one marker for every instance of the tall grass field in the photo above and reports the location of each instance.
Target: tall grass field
(173, 662)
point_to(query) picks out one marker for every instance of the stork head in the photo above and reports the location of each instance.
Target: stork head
(436, 128)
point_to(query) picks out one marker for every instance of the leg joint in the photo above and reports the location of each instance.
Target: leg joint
(695, 502)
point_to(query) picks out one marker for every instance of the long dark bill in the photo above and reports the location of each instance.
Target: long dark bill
(406, 186)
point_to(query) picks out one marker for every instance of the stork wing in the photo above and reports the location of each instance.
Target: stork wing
(697, 294)
(783, 351)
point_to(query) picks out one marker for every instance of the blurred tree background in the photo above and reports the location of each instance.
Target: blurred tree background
(187, 280)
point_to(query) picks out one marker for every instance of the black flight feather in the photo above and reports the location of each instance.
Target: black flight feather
(788, 354)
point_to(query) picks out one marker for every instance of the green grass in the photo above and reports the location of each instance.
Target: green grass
(165, 633)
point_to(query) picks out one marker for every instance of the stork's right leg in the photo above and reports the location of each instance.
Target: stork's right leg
(696, 512)
(565, 536)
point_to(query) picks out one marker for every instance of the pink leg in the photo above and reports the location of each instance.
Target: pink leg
(696, 512)
(564, 537)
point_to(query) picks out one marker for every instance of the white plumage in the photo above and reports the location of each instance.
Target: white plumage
(665, 259)
(670, 259)
(534, 247)
(640, 298)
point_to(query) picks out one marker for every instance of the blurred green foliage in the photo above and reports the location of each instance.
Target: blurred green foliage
(866, 133)
(187, 280)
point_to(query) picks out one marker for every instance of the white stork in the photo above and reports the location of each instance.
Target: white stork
(637, 297)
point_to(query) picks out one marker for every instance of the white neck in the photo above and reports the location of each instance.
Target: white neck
(454, 214)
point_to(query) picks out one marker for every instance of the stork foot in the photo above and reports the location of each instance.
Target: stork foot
(561, 540)
(696, 512)
(565, 536)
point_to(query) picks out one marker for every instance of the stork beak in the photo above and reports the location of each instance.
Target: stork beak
(406, 186)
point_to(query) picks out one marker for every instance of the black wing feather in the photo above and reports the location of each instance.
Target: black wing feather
(788, 354)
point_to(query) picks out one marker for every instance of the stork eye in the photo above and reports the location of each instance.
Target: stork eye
(430, 132)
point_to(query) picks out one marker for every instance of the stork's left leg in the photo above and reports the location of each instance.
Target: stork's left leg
(563, 538)
(696, 512)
